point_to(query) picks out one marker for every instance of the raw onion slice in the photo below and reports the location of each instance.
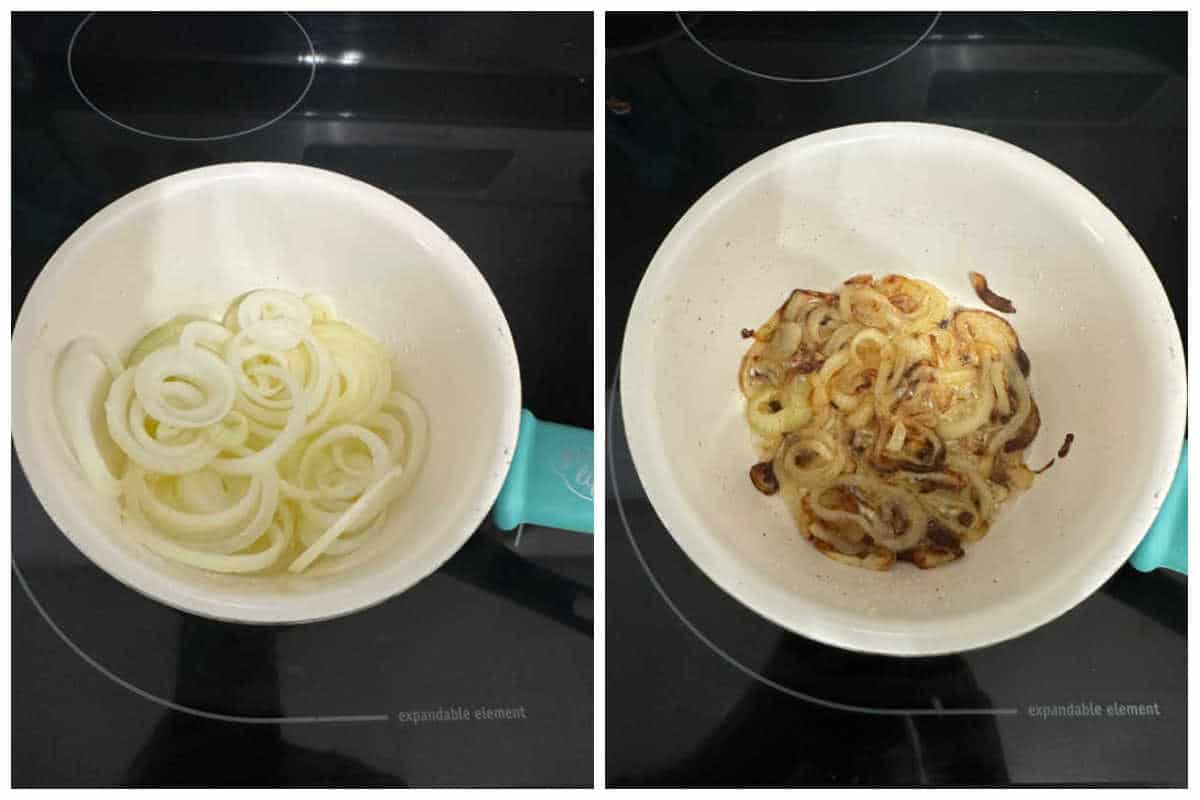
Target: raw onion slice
(85, 363)
(165, 379)
(275, 431)
(273, 304)
(372, 502)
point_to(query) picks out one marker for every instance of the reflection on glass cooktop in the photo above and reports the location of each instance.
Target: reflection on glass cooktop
(701, 690)
(480, 675)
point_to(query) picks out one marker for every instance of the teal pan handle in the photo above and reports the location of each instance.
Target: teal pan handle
(550, 481)
(1165, 544)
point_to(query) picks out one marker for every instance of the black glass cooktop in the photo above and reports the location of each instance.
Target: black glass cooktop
(702, 691)
(482, 123)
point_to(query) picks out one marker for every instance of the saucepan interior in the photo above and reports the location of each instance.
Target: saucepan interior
(192, 242)
(932, 202)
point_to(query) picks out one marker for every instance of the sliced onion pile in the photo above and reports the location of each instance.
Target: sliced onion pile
(892, 425)
(273, 440)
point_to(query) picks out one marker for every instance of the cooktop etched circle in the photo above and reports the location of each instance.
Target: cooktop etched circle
(192, 77)
(808, 47)
(711, 636)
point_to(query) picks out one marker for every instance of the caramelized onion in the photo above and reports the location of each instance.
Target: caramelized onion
(779, 410)
(983, 328)
(1027, 432)
(1066, 445)
(762, 475)
(784, 341)
(892, 426)
(990, 298)
(810, 461)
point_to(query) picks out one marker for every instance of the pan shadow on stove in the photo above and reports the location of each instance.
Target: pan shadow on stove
(486, 563)
(185, 750)
(770, 739)
(1160, 596)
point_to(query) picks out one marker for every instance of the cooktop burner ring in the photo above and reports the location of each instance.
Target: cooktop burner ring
(790, 79)
(311, 59)
(936, 710)
(162, 701)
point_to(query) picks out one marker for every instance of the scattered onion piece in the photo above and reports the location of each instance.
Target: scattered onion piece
(990, 298)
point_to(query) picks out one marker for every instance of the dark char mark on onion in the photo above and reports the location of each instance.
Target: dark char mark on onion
(762, 475)
(990, 298)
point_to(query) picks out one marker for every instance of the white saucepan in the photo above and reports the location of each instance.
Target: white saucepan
(933, 202)
(192, 242)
